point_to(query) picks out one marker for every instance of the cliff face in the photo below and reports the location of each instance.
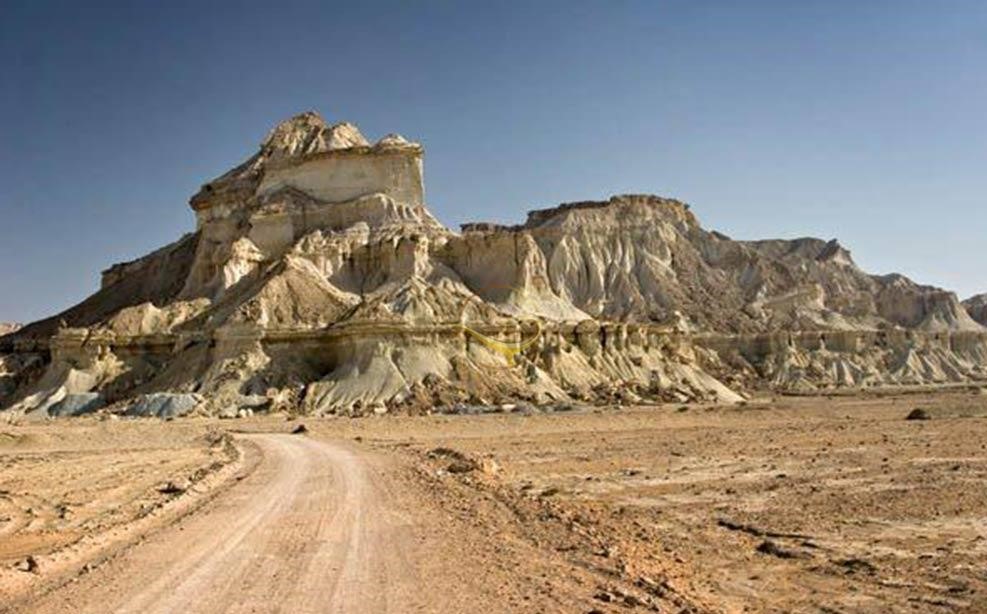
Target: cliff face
(318, 280)
(642, 258)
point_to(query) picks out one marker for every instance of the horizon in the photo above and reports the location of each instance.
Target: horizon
(828, 120)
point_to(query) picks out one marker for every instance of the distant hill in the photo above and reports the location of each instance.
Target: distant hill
(976, 306)
(8, 327)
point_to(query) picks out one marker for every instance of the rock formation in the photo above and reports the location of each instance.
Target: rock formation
(316, 280)
(8, 327)
(976, 306)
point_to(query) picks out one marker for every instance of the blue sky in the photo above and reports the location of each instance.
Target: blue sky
(865, 121)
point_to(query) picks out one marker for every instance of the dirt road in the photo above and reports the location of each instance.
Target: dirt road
(312, 529)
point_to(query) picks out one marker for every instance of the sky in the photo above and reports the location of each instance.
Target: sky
(864, 121)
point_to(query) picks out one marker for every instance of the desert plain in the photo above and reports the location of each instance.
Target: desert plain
(821, 503)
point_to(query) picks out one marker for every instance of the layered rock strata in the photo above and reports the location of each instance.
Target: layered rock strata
(316, 280)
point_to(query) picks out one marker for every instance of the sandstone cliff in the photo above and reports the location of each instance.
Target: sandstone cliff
(317, 280)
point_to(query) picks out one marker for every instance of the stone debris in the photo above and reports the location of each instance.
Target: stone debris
(317, 282)
(175, 487)
(28, 565)
(774, 549)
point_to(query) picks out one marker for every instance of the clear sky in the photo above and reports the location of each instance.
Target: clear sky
(865, 121)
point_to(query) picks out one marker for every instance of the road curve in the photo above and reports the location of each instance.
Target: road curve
(314, 528)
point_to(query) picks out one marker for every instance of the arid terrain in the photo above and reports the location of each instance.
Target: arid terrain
(814, 504)
(323, 399)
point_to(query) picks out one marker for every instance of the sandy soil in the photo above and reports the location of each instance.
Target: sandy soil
(819, 505)
(310, 508)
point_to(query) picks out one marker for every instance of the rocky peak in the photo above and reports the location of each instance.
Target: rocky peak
(835, 253)
(291, 143)
(308, 133)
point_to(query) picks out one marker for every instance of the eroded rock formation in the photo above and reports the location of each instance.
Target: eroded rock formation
(317, 280)
(976, 306)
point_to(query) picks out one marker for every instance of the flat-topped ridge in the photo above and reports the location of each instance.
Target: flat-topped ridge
(537, 217)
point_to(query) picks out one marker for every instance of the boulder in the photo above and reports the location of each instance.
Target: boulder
(77, 405)
(164, 405)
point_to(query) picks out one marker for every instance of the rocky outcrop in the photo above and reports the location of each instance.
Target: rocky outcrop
(976, 307)
(316, 280)
(8, 327)
(156, 278)
(811, 361)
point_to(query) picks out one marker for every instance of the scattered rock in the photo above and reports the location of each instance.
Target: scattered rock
(227, 413)
(461, 463)
(299, 430)
(652, 586)
(443, 452)
(28, 565)
(772, 548)
(606, 597)
(855, 565)
(175, 487)
(489, 466)
(918, 414)
(462, 466)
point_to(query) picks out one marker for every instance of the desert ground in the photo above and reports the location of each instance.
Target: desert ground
(783, 504)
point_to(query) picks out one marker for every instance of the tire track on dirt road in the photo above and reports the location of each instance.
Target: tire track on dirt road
(313, 529)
